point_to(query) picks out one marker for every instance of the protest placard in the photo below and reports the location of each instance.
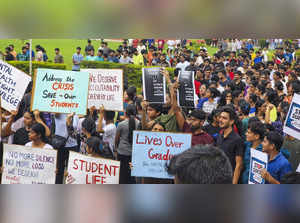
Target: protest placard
(106, 88)
(298, 169)
(258, 162)
(186, 90)
(152, 151)
(89, 170)
(13, 84)
(154, 85)
(60, 91)
(292, 122)
(27, 165)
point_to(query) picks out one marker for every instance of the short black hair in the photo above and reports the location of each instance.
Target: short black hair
(109, 115)
(214, 92)
(40, 130)
(94, 144)
(258, 128)
(253, 98)
(245, 107)
(228, 109)
(279, 86)
(198, 114)
(156, 107)
(201, 165)
(78, 48)
(291, 178)
(56, 49)
(275, 138)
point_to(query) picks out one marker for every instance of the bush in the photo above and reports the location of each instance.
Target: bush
(132, 73)
(24, 65)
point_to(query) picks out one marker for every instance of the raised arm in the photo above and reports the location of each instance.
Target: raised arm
(100, 120)
(38, 119)
(7, 130)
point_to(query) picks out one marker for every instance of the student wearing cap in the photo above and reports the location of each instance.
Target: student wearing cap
(197, 117)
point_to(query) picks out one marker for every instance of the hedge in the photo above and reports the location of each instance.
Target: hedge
(24, 65)
(132, 73)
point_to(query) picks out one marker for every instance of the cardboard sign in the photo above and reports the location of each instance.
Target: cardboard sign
(89, 170)
(152, 151)
(26, 165)
(292, 122)
(60, 91)
(154, 85)
(106, 88)
(186, 90)
(258, 162)
(13, 84)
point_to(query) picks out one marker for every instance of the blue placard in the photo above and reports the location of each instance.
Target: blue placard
(293, 118)
(60, 91)
(256, 166)
(152, 151)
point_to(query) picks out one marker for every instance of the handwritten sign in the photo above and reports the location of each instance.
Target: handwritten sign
(106, 88)
(292, 122)
(154, 85)
(60, 91)
(13, 84)
(89, 170)
(26, 165)
(258, 162)
(152, 150)
(186, 91)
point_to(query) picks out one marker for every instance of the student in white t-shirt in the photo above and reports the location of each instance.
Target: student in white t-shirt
(37, 137)
(109, 130)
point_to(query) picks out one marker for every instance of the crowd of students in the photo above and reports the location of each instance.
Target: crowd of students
(242, 103)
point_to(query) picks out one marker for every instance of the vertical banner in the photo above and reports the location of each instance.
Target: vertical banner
(60, 91)
(186, 91)
(154, 85)
(89, 170)
(258, 161)
(26, 165)
(106, 88)
(152, 151)
(13, 84)
(292, 122)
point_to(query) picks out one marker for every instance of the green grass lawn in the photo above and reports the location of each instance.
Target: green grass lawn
(67, 46)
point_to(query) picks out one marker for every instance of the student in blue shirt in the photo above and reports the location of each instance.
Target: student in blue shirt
(254, 136)
(278, 165)
(100, 56)
(27, 45)
(77, 58)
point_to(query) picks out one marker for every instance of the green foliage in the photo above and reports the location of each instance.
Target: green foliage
(132, 73)
(24, 65)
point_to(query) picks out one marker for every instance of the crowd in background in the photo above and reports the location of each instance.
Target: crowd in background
(243, 96)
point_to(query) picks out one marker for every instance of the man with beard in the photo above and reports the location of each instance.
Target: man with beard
(197, 117)
(230, 142)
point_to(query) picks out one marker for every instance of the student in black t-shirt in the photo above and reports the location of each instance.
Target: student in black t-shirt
(230, 142)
